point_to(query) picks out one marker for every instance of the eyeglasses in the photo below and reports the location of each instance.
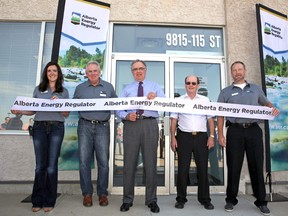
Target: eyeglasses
(140, 69)
(191, 83)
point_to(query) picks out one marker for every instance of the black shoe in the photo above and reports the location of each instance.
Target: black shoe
(154, 207)
(208, 206)
(229, 207)
(179, 205)
(264, 210)
(125, 207)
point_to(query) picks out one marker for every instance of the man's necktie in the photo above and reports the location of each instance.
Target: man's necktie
(140, 94)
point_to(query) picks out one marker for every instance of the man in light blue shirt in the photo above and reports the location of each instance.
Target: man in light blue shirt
(140, 132)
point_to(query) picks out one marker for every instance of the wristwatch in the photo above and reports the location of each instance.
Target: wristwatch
(211, 135)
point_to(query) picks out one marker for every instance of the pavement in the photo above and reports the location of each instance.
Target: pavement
(71, 205)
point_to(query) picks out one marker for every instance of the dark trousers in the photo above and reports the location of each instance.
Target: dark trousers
(239, 141)
(140, 135)
(47, 140)
(188, 143)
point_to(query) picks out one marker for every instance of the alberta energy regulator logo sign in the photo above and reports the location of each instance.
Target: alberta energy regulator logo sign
(272, 30)
(84, 20)
(267, 29)
(75, 19)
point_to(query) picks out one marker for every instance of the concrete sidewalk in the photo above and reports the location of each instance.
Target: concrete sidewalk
(71, 205)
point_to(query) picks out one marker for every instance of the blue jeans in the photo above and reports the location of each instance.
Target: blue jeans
(93, 137)
(47, 140)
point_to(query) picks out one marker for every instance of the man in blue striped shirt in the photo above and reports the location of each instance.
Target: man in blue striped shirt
(140, 132)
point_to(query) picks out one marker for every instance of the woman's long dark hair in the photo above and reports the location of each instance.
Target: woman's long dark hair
(45, 82)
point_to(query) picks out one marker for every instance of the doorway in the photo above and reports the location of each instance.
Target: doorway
(169, 72)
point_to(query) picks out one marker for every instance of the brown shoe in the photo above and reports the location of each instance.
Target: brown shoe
(87, 201)
(103, 201)
(48, 209)
(36, 209)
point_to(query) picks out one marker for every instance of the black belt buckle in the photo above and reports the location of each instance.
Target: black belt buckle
(246, 125)
(94, 122)
(140, 116)
(98, 122)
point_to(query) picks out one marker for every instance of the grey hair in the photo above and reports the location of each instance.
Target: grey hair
(138, 60)
(93, 62)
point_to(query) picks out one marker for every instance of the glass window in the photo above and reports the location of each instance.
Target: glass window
(19, 56)
(168, 39)
(48, 43)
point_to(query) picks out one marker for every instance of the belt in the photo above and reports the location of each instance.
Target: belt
(243, 125)
(194, 133)
(140, 117)
(50, 122)
(95, 121)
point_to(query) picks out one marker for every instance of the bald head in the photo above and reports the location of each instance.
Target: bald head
(192, 76)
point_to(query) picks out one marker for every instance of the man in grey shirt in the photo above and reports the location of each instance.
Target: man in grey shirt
(94, 134)
(243, 136)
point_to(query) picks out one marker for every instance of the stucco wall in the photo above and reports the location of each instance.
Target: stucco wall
(28, 10)
(242, 37)
(160, 11)
(17, 160)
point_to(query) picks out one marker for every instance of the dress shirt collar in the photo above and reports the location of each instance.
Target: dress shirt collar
(100, 83)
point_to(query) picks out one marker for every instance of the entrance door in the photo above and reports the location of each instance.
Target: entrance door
(157, 68)
(209, 73)
(169, 73)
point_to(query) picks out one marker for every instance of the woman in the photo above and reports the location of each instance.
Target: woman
(48, 133)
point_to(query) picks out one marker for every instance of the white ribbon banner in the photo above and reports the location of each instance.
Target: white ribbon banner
(131, 103)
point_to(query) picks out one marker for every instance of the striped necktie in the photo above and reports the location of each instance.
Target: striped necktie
(140, 94)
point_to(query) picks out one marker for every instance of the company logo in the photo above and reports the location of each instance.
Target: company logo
(267, 29)
(273, 30)
(75, 18)
(84, 20)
